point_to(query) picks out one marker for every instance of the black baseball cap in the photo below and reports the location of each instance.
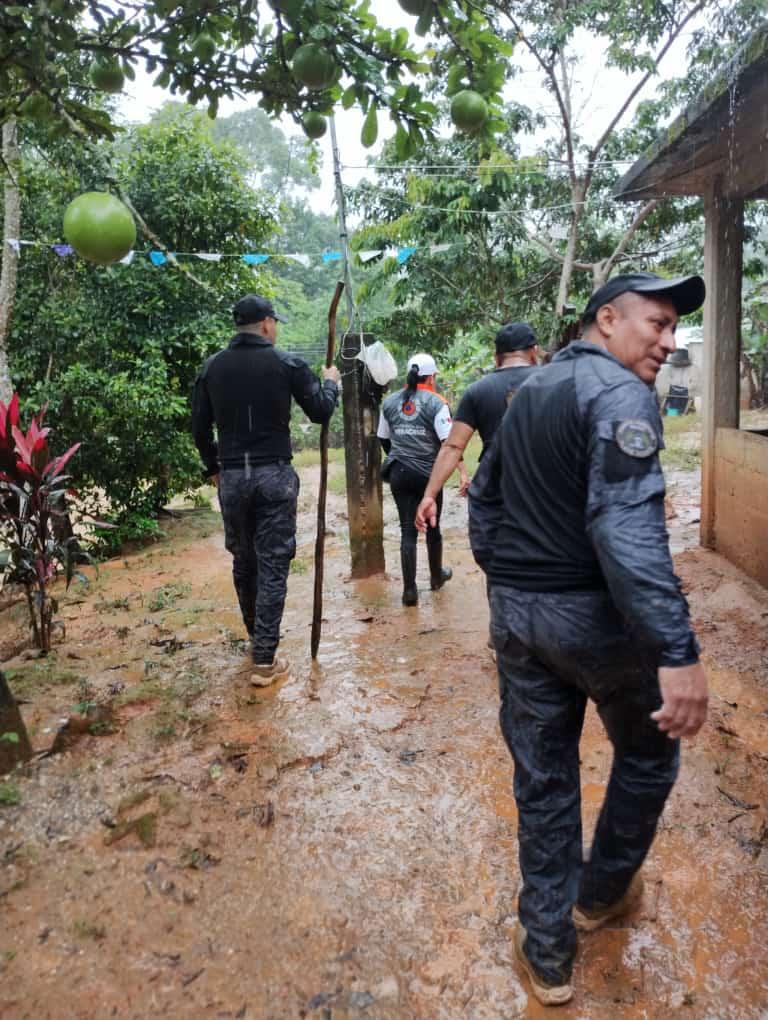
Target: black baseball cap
(515, 336)
(253, 308)
(685, 292)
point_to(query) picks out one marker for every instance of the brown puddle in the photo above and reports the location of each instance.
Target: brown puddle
(343, 844)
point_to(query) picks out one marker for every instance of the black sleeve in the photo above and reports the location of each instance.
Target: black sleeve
(317, 401)
(626, 522)
(466, 411)
(202, 426)
(386, 444)
(486, 505)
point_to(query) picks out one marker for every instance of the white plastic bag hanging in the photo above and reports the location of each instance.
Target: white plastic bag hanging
(379, 362)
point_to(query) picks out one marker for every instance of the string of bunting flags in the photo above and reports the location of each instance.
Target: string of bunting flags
(159, 258)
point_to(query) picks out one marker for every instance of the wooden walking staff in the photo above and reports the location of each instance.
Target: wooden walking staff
(317, 606)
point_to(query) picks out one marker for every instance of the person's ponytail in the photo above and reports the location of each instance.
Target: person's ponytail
(411, 382)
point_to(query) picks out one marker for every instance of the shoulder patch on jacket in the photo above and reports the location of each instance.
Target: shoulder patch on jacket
(636, 438)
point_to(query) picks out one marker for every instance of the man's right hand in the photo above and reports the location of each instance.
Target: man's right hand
(684, 694)
(426, 514)
(332, 373)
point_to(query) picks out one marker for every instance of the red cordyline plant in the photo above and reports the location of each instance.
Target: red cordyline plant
(33, 493)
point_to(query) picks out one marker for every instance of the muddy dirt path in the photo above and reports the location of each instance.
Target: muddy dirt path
(343, 845)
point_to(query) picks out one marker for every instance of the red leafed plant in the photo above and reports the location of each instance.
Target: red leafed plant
(33, 493)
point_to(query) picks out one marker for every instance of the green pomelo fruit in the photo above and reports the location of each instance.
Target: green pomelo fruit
(37, 107)
(99, 227)
(414, 7)
(107, 76)
(290, 8)
(469, 111)
(315, 125)
(204, 48)
(314, 66)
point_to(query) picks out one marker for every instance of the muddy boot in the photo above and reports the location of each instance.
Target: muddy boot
(408, 564)
(438, 574)
(589, 920)
(548, 995)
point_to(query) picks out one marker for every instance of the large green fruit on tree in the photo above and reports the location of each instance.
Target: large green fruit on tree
(415, 7)
(315, 125)
(288, 8)
(314, 66)
(99, 227)
(469, 111)
(107, 76)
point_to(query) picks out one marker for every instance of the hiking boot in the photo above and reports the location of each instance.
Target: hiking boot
(438, 580)
(548, 995)
(408, 564)
(263, 675)
(588, 920)
(438, 574)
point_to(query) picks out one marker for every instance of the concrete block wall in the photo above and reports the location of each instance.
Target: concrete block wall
(741, 500)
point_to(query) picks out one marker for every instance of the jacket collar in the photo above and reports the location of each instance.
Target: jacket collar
(579, 347)
(249, 340)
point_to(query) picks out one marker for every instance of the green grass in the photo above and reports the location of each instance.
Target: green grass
(682, 439)
(310, 458)
(43, 673)
(163, 598)
(10, 794)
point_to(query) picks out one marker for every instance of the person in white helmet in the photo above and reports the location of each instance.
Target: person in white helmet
(414, 424)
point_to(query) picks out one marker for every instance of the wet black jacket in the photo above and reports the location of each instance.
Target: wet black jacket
(245, 390)
(571, 497)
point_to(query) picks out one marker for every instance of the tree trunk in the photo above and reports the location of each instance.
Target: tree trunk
(578, 191)
(11, 751)
(10, 255)
(361, 404)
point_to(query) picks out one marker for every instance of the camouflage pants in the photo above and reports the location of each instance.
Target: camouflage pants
(259, 509)
(554, 651)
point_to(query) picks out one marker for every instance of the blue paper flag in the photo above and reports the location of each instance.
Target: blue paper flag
(157, 258)
(403, 254)
(331, 256)
(255, 260)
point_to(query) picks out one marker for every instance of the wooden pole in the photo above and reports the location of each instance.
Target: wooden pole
(317, 606)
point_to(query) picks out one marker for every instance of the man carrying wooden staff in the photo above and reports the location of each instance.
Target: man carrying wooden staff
(245, 390)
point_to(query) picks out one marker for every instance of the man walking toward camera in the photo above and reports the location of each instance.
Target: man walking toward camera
(585, 604)
(246, 390)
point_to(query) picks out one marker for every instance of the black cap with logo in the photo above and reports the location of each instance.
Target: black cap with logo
(253, 308)
(515, 336)
(685, 292)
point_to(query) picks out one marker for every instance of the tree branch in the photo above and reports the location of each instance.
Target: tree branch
(602, 269)
(644, 80)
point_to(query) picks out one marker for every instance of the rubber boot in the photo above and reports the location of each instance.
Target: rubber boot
(408, 563)
(438, 574)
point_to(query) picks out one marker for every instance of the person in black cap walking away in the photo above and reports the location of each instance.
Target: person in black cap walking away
(413, 425)
(481, 409)
(585, 604)
(245, 390)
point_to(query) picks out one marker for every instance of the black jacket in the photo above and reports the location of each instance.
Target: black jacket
(245, 390)
(571, 497)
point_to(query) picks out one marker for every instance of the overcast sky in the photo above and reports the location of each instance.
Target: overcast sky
(596, 95)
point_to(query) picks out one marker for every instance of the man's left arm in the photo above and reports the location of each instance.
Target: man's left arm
(449, 457)
(317, 400)
(202, 428)
(626, 522)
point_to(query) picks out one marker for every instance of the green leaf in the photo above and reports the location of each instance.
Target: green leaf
(370, 131)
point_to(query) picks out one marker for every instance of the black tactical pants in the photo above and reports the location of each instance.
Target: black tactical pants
(407, 490)
(259, 510)
(554, 651)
